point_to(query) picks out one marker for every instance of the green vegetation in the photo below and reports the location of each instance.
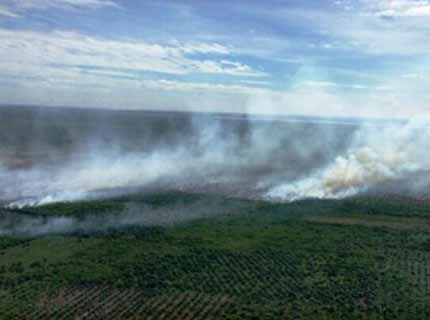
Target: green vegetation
(76, 209)
(312, 259)
(390, 204)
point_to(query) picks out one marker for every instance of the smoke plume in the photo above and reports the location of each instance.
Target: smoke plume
(134, 214)
(69, 155)
(376, 157)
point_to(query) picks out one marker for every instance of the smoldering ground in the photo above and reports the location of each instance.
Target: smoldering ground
(67, 155)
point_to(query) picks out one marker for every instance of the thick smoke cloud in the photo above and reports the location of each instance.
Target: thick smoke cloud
(68, 155)
(376, 157)
(229, 154)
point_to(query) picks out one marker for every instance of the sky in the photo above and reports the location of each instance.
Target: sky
(341, 58)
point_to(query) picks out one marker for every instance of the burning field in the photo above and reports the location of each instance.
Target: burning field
(145, 215)
(54, 155)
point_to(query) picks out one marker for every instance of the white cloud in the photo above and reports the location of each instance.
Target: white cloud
(362, 30)
(384, 88)
(393, 8)
(329, 84)
(21, 51)
(108, 80)
(359, 30)
(4, 11)
(68, 68)
(44, 4)
(16, 8)
(196, 47)
(194, 86)
(255, 82)
(419, 11)
(76, 87)
(228, 67)
(412, 76)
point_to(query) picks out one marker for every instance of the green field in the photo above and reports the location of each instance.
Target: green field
(361, 258)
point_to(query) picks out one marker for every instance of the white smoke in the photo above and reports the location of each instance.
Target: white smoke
(271, 161)
(377, 155)
(105, 171)
(178, 166)
(65, 196)
(211, 155)
(134, 214)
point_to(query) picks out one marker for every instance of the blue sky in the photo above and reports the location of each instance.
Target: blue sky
(322, 58)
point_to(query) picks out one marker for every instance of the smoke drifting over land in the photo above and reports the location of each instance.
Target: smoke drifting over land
(134, 214)
(66, 155)
(376, 157)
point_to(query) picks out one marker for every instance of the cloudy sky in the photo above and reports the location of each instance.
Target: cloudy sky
(331, 57)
